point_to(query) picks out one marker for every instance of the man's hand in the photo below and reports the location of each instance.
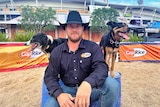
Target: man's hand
(83, 95)
(65, 100)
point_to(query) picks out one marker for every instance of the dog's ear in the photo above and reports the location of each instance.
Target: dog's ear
(44, 42)
(42, 39)
(50, 39)
(122, 27)
(111, 24)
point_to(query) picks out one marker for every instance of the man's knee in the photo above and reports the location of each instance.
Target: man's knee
(51, 102)
(112, 85)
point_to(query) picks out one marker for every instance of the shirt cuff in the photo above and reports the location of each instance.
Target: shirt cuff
(56, 93)
(91, 82)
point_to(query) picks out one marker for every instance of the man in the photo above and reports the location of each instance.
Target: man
(80, 65)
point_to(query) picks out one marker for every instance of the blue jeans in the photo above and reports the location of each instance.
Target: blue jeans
(107, 95)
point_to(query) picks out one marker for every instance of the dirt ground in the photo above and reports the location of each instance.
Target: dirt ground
(140, 86)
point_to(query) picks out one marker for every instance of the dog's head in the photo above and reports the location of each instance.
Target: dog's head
(120, 30)
(40, 40)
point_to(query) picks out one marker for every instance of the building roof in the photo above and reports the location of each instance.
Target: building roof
(88, 2)
(149, 10)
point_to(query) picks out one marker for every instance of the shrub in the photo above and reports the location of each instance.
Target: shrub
(3, 37)
(135, 38)
(23, 37)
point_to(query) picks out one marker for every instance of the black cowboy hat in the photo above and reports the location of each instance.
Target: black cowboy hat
(74, 17)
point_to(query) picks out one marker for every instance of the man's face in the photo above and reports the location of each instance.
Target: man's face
(74, 32)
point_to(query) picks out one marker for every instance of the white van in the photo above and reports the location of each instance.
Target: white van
(136, 20)
(144, 22)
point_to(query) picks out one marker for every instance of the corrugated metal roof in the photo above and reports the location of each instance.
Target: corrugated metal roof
(59, 18)
(117, 6)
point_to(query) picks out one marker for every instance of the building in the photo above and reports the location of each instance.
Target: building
(10, 14)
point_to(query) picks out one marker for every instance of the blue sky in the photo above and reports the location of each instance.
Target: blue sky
(153, 3)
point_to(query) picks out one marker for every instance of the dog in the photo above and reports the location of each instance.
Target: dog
(110, 43)
(44, 42)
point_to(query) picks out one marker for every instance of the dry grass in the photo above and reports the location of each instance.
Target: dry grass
(140, 86)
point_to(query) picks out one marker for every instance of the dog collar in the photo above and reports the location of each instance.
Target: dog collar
(114, 42)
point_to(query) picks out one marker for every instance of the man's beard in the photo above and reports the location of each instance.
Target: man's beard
(75, 40)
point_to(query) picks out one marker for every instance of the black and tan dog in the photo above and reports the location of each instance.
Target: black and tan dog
(44, 42)
(110, 43)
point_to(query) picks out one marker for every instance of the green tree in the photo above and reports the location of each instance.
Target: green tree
(37, 19)
(100, 17)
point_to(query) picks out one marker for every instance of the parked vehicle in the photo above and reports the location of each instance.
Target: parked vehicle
(152, 32)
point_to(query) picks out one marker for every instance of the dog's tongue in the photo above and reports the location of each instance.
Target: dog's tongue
(33, 46)
(125, 36)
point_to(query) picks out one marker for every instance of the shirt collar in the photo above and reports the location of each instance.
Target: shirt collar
(81, 46)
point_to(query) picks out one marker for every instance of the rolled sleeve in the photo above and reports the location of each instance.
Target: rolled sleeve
(55, 93)
(51, 76)
(99, 67)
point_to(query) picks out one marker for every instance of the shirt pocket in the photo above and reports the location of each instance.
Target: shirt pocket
(85, 65)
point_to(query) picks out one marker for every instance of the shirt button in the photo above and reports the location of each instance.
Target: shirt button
(75, 70)
(80, 61)
(74, 61)
(75, 78)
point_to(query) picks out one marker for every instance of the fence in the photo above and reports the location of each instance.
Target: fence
(147, 51)
(16, 56)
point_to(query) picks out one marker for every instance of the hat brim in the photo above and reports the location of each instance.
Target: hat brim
(63, 25)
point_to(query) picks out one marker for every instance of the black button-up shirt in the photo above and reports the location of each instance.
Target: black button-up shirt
(85, 64)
